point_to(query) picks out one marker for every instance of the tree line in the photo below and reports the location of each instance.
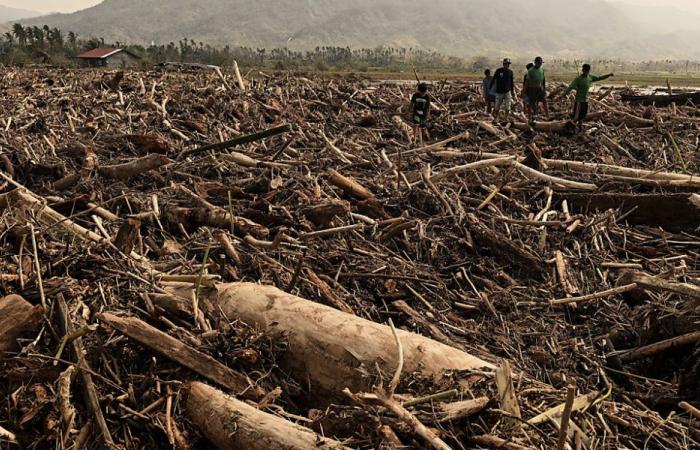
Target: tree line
(24, 45)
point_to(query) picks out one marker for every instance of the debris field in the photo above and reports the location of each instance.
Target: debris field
(195, 259)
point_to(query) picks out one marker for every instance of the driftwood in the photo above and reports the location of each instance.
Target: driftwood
(231, 424)
(172, 348)
(327, 347)
(672, 212)
(645, 281)
(460, 245)
(241, 140)
(662, 100)
(350, 186)
(134, 168)
(219, 218)
(18, 318)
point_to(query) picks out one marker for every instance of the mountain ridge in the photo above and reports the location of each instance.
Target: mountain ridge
(8, 13)
(548, 27)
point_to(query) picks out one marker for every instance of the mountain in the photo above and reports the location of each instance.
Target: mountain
(8, 14)
(455, 27)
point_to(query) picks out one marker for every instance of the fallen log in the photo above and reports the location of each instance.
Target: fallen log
(18, 318)
(646, 281)
(658, 347)
(240, 140)
(218, 218)
(561, 127)
(331, 349)
(490, 441)
(181, 353)
(450, 412)
(431, 147)
(231, 424)
(323, 213)
(672, 212)
(135, 167)
(692, 98)
(348, 185)
(627, 174)
(77, 354)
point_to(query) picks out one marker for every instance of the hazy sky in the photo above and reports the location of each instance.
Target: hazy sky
(50, 5)
(74, 5)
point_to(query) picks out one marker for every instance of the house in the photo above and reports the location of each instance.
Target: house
(109, 57)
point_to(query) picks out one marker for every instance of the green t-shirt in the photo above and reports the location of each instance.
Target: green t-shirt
(535, 77)
(582, 84)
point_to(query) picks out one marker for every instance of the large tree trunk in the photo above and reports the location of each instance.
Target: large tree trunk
(231, 424)
(331, 349)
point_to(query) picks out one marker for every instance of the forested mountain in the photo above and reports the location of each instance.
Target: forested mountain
(456, 27)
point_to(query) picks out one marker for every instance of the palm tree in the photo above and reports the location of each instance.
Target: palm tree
(20, 33)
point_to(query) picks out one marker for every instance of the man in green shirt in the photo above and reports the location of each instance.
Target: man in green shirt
(535, 88)
(582, 84)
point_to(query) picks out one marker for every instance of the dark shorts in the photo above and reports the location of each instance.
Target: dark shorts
(535, 94)
(490, 98)
(580, 111)
(420, 121)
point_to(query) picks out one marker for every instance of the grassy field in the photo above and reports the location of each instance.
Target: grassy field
(632, 79)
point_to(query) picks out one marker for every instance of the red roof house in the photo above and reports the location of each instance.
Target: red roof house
(109, 57)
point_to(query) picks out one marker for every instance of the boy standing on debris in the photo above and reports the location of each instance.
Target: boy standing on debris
(536, 88)
(582, 84)
(420, 110)
(489, 98)
(505, 88)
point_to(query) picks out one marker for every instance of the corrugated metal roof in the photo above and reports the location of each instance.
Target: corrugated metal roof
(99, 53)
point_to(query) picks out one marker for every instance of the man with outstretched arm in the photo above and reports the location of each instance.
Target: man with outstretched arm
(582, 85)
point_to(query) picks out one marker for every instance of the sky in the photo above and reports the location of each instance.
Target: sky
(46, 6)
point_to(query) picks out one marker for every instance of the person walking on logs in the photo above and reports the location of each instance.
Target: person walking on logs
(489, 98)
(505, 89)
(420, 111)
(582, 85)
(536, 88)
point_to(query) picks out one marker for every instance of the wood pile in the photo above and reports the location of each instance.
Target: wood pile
(194, 259)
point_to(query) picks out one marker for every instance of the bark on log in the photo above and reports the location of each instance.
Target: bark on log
(240, 140)
(323, 213)
(219, 218)
(135, 167)
(692, 98)
(658, 347)
(672, 212)
(128, 235)
(629, 174)
(646, 281)
(18, 318)
(459, 410)
(350, 186)
(175, 350)
(331, 349)
(231, 424)
(143, 144)
(561, 127)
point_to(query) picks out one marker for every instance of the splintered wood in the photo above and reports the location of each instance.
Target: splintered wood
(217, 258)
